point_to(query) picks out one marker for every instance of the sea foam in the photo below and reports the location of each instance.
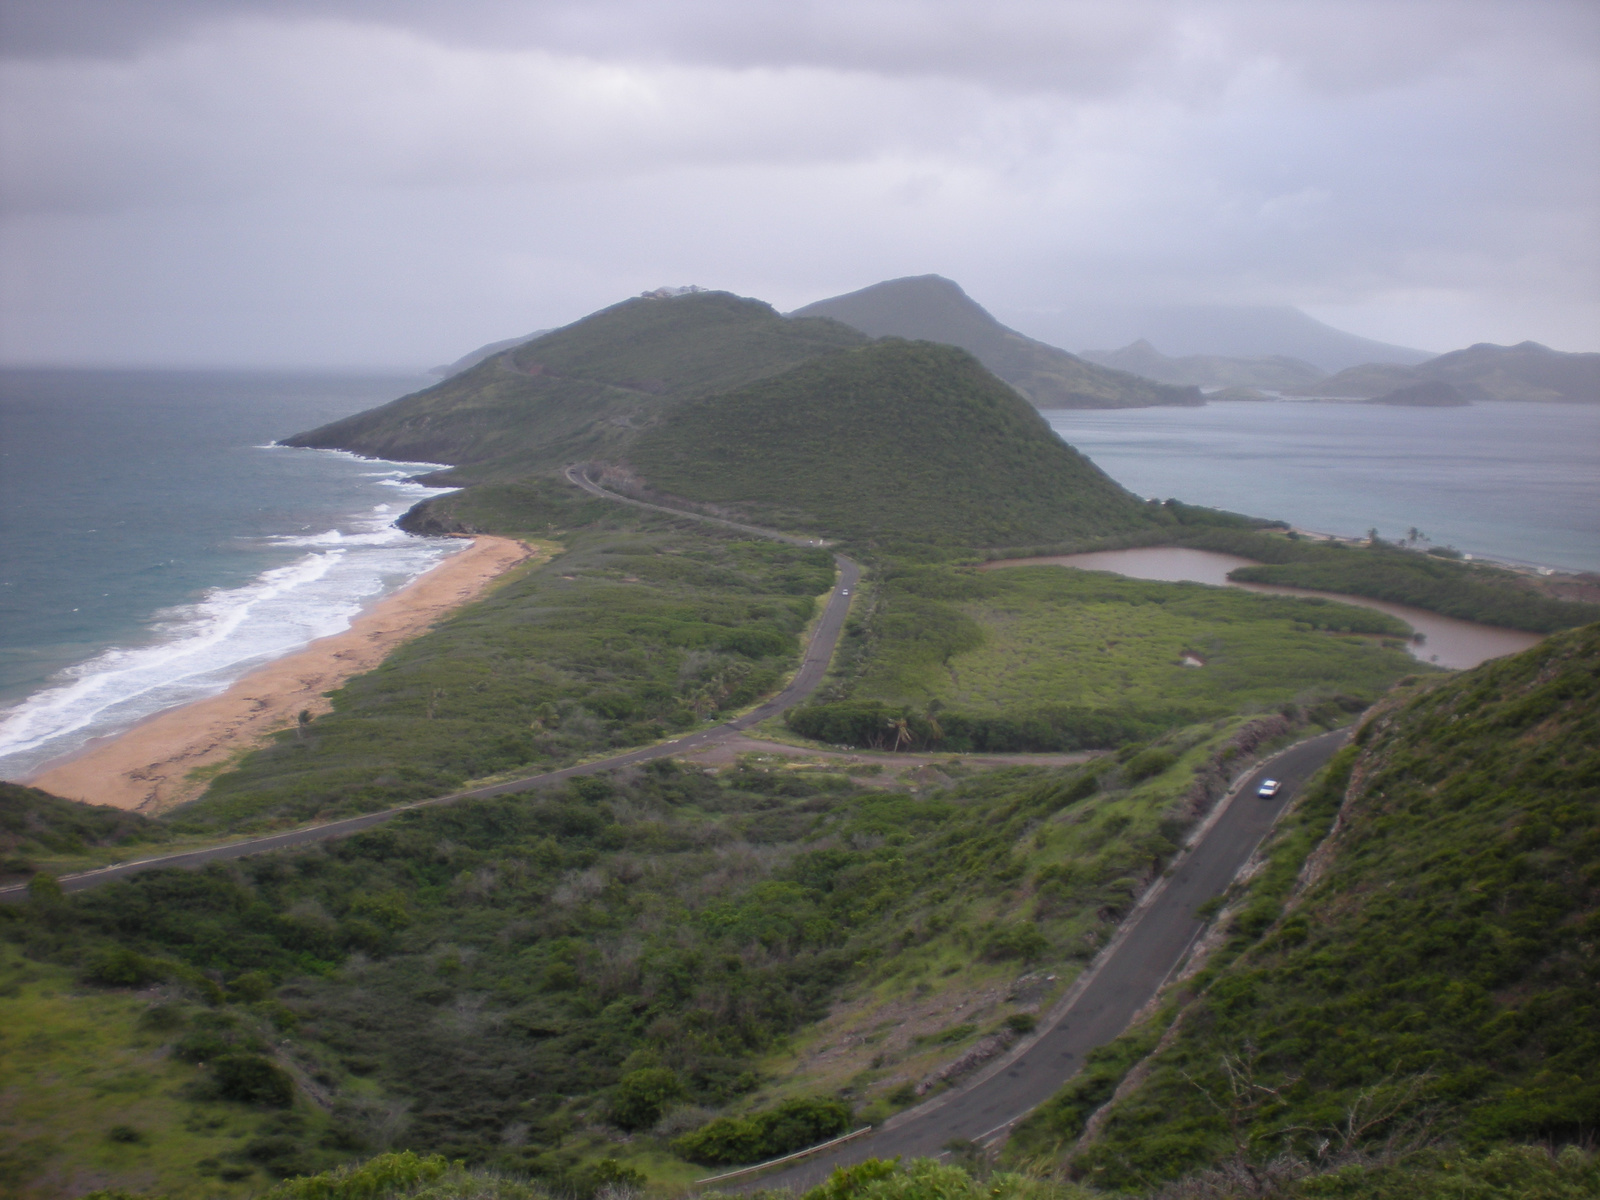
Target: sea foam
(199, 649)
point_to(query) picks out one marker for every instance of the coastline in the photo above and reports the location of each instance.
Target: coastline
(149, 767)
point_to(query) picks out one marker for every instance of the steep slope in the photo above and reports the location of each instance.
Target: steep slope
(583, 389)
(1275, 371)
(896, 439)
(473, 358)
(1526, 371)
(1233, 330)
(1433, 977)
(933, 309)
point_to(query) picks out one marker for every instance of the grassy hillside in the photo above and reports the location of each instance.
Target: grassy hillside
(903, 440)
(929, 308)
(1526, 371)
(581, 391)
(36, 826)
(1045, 659)
(642, 628)
(567, 983)
(1425, 989)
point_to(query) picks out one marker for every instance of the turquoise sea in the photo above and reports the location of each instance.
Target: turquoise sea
(1514, 482)
(156, 545)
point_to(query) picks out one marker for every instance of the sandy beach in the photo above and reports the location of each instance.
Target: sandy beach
(147, 768)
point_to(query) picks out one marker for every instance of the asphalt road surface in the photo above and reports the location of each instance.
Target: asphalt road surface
(1145, 952)
(819, 652)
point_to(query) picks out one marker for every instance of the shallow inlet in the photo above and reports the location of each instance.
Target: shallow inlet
(1447, 642)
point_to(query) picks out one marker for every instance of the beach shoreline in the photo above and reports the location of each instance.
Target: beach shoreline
(148, 768)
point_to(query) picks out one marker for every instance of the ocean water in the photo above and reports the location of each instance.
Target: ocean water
(155, 545)
(1515, 482)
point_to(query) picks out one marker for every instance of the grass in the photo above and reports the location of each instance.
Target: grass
(1435, 982)
(39, 831)
(643, 628)
(1083, 638)
(597, 381)
(93, 1097)
(1044, 659)
(494, 970)
(1011, 882)
(896, 441)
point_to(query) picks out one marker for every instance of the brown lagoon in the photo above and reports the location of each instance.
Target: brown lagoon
(1445, 641)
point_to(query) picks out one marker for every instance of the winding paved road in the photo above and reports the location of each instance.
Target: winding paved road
(1147, 949)
(813, 666)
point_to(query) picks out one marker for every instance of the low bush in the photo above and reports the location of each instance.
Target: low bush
(251, 1079)
(793, 1125)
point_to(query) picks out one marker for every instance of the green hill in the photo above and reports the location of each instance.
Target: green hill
(1526, 371)
(931, 308)
(584, 390)
(1425, 986)
(1271, 371)
(899, 439)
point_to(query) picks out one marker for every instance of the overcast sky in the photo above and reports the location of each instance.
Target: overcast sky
(393, 182)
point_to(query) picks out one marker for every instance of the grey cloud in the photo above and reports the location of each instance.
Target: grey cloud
(1074, 46)
(356, 180)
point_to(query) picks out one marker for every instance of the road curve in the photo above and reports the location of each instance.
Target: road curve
(813, 666)
(1128, 972)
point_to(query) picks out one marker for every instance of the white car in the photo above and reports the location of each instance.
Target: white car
(1268, 789)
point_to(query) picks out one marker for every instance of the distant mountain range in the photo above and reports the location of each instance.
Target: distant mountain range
(800, 421)
(1526, 371)
(1230, 331)
(1277, 372)
(1245, 352)
(933, 309)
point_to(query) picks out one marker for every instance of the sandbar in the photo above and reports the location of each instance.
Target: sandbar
(150, 767)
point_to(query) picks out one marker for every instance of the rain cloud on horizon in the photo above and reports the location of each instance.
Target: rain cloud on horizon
(391, 182)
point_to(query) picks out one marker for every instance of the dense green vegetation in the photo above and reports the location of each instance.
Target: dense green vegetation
(642, 628)
(1435, 983)
(1037, 658)
(102, 1082)
(36, 825)
(639, 975)
(581, 391)
(551, 982)
(896, 440)
(929, 308)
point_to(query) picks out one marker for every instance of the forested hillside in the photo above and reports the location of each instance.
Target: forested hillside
(895, 441)
(934, 309)
(580, 391)
(1423, 990)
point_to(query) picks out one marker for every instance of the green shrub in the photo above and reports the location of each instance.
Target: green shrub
(377, 1178)
(928, 1179)
(1149, 762)
(1021, 941)
(640, 1096)
(117, 966)
(793, 1125)
(251, 1079)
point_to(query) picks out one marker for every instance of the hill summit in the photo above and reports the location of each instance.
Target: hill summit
(898, 438)
(583, 390)
(1485, 371)
(932, 308)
